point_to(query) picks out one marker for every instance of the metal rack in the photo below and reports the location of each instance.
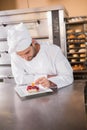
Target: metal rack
(76, 33)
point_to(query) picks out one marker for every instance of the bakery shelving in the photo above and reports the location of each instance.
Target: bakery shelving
(76, 36)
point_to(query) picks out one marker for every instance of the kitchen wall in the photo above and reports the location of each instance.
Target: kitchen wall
(74, 7)
(13, 4)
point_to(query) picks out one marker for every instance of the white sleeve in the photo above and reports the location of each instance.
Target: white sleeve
(20, 76)
(64, 71)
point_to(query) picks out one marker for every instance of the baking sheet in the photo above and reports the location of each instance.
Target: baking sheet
(22, 91)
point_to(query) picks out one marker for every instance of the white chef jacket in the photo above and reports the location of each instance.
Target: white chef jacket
(49, 61)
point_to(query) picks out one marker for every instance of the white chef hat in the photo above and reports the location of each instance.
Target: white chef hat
(18, 38)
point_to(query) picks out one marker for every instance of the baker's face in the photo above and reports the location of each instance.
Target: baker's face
(28, 53)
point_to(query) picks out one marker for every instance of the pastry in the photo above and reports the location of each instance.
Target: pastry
(73, 60)
(71, 46)
(75, 67)
(32, 88)
(78, 67)
(71, 36)
(82, 50)
(82, 45)
(82, 36)
(75, 55)
(81, 67)
(82, 40)
(82, 55)
(78, 30)
(70, 40)
(82, 60)
(71, 51)
(70, 31)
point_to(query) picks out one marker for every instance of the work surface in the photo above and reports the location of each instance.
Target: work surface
(62, 110)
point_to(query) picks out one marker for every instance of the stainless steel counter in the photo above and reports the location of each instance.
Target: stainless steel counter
(62, 110)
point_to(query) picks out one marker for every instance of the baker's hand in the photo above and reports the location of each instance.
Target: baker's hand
(44, 82)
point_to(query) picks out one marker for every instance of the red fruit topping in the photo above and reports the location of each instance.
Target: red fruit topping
(32, 88)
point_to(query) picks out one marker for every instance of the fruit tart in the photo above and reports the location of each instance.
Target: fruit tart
(32, 88)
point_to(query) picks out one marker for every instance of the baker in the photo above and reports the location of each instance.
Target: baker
(31, 61)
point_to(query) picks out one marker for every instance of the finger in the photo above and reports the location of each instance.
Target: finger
(45, 83)
(39, 80)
